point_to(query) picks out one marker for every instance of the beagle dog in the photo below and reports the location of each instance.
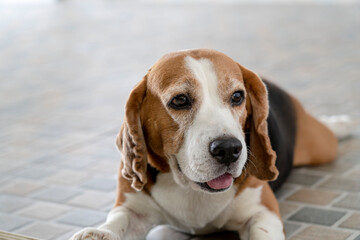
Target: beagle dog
(204, 143)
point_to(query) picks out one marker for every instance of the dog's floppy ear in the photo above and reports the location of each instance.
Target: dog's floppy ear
(130, 140)
(262, 155)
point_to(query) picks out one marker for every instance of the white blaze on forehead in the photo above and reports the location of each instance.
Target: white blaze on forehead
(204, 72)
(212, 111)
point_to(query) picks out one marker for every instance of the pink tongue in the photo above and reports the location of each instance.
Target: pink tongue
(224, 181)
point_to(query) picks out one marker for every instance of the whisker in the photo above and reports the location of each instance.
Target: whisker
(250, 161)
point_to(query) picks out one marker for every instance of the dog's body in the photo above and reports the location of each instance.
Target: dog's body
(199, 143)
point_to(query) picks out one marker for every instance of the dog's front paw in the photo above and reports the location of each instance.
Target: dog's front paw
(95, 234)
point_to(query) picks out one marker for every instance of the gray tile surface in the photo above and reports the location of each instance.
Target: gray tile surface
(68, 177)
(69, 234)
(44, 230)
(353, 222)
(35, 172)
(100, 183)
(10, 222)
(83, 218)
(93, 199)
(56, 194)
(318, 216)
(284, 190)
(44, 211)
(290, 228)
(321, 233)
(351, 201)
(303, 178)
(21, 187)
(342, 184)
(10, 203)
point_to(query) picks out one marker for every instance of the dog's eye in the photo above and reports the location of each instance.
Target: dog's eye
(180, 101)
(237, 98)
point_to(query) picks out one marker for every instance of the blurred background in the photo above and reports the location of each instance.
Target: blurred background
(67, 67)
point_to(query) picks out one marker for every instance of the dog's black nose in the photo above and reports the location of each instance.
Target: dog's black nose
(226, 150)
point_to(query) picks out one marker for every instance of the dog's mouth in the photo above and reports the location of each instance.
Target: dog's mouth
(218, 184)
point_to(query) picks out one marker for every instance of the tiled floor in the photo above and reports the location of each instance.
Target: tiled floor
(66, 68)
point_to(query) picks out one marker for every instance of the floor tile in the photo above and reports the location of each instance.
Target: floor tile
(304, 178)
(69, 234)
(108, 168)
(357, 238)
(342, 184)
(4, 180)
(352, 222)
(7, 166)
(76, 162)
(351, 201)
(68, 177)
(355, 173)
(22, 187)
(43, 230)
(93, 199)
(287, 208)
(44, 210)
(101, 183)
(11, 222)
(83, 218)
(10, 203)
(56, 194)
(284, 190)
(336, 167)
(320, 233)
(317, 216)
(35, 172)
(290, 228)
(313, 196)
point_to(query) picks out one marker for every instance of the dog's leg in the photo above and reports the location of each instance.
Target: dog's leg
(256, 215)
(133, 220)
(315, 143)
(266, 224)
(263, 226)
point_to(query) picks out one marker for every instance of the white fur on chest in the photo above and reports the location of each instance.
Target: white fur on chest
(186, 208)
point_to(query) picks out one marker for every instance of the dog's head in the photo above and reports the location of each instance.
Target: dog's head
(200, 115)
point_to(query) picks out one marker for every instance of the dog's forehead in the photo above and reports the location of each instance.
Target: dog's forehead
(173, 68)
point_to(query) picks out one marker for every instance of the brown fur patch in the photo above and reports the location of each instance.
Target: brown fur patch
(314, 143)
(123, 187)
(268, 199)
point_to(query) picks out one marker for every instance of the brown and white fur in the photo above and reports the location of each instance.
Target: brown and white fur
(166, 161)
